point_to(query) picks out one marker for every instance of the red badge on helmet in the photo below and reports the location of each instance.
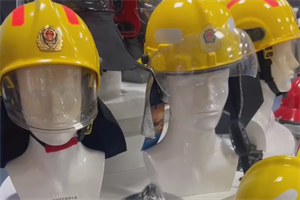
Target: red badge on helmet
(209, 36)
(49, 40)
(208, 40)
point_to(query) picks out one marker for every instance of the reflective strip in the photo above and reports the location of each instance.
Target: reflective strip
(72, 18)
(18, 16)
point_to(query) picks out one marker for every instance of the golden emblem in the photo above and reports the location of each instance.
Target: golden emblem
(49, 40)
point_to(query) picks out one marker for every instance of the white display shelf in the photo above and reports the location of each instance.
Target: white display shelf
(119, 185)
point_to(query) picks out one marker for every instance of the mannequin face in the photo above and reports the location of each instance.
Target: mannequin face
(283, 66)
(50, 96)
(198, 100)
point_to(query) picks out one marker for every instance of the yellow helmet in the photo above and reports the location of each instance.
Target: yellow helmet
(267, 22)
(206, 23)
(272, 178)
(185, 37)
(23, 43)
(49, 62)
(197, 15)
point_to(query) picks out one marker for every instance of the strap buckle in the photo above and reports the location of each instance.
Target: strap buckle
(85, 131)
(268, 53)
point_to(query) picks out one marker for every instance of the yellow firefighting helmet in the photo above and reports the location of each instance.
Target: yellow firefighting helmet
(219, 42)
(273, 178)
(192, 37)
(22, 37)
(49, 62)
(267, 22)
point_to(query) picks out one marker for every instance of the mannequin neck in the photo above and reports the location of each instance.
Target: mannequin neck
(264, 115)
(56, 139)
(57, 160)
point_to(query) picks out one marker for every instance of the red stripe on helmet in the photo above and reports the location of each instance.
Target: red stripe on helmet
(231, 3)
(272, 3)
(72, 18)
(18, 16)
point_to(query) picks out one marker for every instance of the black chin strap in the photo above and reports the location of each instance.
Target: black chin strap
(237, 133)
(266, 75)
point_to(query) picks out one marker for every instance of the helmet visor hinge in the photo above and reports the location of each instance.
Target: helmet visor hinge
(256, 34)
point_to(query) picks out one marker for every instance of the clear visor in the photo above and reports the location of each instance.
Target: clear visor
(145, 9)
(292, 52)
(285, 61)
(50, 98)
(214, 51)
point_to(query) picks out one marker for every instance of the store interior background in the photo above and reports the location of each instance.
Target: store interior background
(7, 6)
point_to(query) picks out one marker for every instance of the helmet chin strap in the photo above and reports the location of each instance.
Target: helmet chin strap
(73, 141)
(266, 75)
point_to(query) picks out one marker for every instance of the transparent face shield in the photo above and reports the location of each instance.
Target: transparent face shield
(145, 9)
(50, 98)
(193, 74)
(293, 59)
(285, 64)
(213, 50)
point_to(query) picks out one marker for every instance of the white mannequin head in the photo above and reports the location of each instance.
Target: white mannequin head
(57, 85)
(283, 65)
(198, 100)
